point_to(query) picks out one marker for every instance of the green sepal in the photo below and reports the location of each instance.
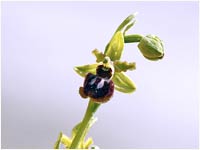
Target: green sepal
(115, 47)
(99, 55)
(123, 83)
(124, 66)
(84, 70)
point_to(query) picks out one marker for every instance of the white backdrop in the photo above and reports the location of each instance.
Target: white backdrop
(43, 41)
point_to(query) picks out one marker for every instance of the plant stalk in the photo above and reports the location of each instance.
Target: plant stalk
(91, 109)
(132, 38)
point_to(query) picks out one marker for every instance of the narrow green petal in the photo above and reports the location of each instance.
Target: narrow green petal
(124, 66)
(115, 47)
(84, 70)
(123, 83)
(99, 55)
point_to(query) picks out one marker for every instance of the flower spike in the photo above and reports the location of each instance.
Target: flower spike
(105, 76)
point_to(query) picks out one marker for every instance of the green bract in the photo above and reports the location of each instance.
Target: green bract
(151, 47)
(115, 47)
(67, 141)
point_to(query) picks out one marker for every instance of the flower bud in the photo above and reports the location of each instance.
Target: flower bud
(151, 47)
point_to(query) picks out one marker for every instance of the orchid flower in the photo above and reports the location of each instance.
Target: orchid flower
(106, 75)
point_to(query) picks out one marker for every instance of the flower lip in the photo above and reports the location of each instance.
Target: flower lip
(97, 88)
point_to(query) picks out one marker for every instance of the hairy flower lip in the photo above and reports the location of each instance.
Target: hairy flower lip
(99, 89)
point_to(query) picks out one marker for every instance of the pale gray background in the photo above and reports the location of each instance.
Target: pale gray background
(43, 41)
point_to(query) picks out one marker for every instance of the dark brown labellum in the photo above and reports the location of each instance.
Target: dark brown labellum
(99, 89)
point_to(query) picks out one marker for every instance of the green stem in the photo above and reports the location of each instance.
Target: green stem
(125, 22)
(91, 109)
(132, 38)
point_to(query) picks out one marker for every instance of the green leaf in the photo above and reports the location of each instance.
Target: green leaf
(99, 55)
(76, 128)
(65, 140)
(124, 66)
(84, 70)
(57, 144)
(123, 83)
(115, 47)
(75, 131)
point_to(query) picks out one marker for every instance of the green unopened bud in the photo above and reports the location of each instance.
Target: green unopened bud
(151, 47)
